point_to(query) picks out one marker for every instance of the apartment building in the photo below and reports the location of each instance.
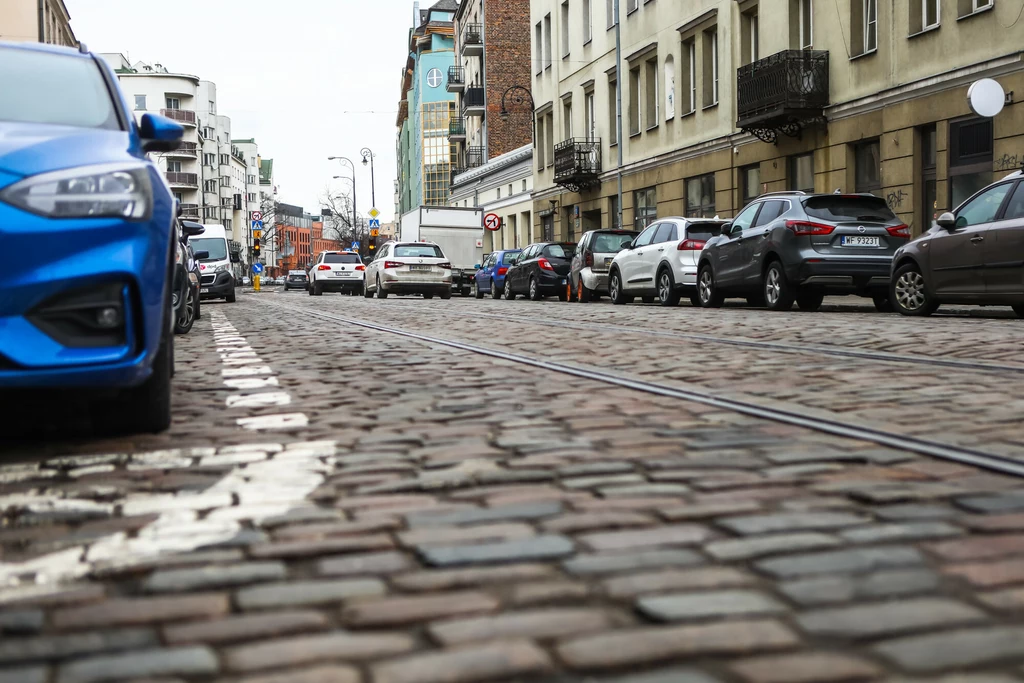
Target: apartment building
(36, 21)
(492, 131)
(249, 151)
(267, 197)
(725, 99)
(424, 110)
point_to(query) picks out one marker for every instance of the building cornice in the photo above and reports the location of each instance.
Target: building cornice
(494, 165)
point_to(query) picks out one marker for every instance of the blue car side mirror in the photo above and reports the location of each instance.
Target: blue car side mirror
(159, 134)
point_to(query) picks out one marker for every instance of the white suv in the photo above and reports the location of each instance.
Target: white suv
(662, 261)
(336, 271)
(409, 268)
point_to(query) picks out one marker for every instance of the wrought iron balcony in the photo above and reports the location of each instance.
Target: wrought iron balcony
(782, 93)
(456, 128)
(475, 156)
(455, 170)
(186, 149)
(180, 115)
(473, 101)
(456, 79)
(472, 40)
(578, 163)
(178, 179)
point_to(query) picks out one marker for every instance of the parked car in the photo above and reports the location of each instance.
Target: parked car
(588, 272)
(336, 271)
(217, 281)
(87, 302)
(296, 279)
(490, 279)
(187, 309)
(541, 270)
(792, 246)
(409, 268)
(973, 255)
(661, 263)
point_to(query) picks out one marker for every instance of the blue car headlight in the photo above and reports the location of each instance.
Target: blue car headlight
(99, 191)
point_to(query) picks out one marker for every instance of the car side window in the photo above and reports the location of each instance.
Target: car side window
(664, 233)
(1015, 207)
(744, 219)
(770, 210)
(647, 236)
(984, 207)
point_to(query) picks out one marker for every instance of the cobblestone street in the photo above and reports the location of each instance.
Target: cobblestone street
(527, 495)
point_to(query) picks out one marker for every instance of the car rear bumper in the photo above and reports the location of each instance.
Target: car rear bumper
(223, 284)
(395, 287)
(552, 283)
(595, 280)
(340, 285)
(843, 275)
(296, 285)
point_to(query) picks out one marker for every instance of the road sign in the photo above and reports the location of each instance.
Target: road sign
(257, 234)
(374, 213)
(374, 232)
(374, 223)
(257, 268)
(492, 222)
(257, 225)
(257, 215)
(355, 246)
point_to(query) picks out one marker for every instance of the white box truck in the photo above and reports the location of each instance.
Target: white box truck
(457, 230)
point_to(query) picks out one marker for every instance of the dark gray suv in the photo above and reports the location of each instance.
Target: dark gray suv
(787, 247)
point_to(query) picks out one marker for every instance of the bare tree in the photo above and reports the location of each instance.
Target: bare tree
(339, 224)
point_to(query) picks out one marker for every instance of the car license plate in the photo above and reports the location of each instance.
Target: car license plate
(421, 268)
(563, 280)
(859, 241)
(204, 290)
(608, 261)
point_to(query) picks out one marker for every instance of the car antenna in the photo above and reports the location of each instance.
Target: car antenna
(82, 48)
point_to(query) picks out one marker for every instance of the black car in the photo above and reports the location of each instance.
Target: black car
(187, 278)
(540, 270)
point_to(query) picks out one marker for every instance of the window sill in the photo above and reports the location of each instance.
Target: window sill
(587, 42)
(670, 117)
(565, 56)
(612, 144)
(633, 11)
(977, 12)
(634, 135)
(692, 112)
(710, 106)
(650, 128)
(924, 31)
(609, 28)
(864, 54)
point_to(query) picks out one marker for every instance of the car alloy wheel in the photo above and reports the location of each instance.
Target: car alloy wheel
(705, 288)
(495, 292)
(910, 292)
(772, 287)
(508, 290)
(613, 288)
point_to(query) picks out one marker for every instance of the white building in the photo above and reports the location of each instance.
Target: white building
(42, 21)
(502, 186)
(250, 152)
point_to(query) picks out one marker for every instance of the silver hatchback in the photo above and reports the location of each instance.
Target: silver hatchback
(588, 277)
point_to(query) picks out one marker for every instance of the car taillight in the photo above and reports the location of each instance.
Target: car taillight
(588, 258)
(502, 270)
(690, 245)
(445, 265)
(544, 264)
(323, 267)
(809, 228)
(392, 264)
(360, 267)
(899, 231)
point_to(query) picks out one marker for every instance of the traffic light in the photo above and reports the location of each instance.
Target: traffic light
(256, 244)
(371, 242)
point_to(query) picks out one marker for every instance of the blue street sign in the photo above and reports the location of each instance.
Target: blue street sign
(257, 268)
(375, 223)
(257, 225)
(355, 246)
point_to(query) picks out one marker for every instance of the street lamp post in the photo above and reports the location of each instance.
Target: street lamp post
(368, 155)
(519, 95)
(344, 160)
(353, 181)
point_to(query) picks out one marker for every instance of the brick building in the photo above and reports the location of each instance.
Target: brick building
(319, 242)
(294, 239)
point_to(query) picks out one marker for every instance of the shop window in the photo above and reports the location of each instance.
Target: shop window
(868, 167)
(750, 182)
(801, 172)
(928, 137)
(645, 207)
(970, 157)
(700, 196)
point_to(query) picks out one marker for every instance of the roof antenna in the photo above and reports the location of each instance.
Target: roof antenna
(82, 48)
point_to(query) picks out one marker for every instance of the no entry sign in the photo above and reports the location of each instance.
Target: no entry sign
(492, 221)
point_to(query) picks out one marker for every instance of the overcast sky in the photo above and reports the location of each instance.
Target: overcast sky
(307, 78)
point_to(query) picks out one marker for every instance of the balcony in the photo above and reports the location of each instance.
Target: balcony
(472, 41)
(782, 93)
(578, 163)
(473, 101)
(456, 170)
(180, 115)
(475, 156)
(456, 79)
(187, 149)
(456, 128)
(189, 211)
(179, 179)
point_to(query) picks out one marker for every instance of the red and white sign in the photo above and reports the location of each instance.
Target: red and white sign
(257, 215)
(492, 222)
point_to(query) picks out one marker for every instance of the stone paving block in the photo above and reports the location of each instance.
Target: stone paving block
(183, 661)
(888, 618)
(122, 611)
(311, 649)
(608, 563)
(443, 579)
(988, 574)
(910, 531)
(246, 627)
(630, 539)
(315, 674)
(197, 578)
(1009, 600)
(708, 605)
(644, 583)
(791, 521)
(535, 624)
(302, 593)
(546, 547)
(406, 610)
(1008, 522)
(456, 535)
(655, 644)
(51, 595)
(979, 547)
(758, 546)
(21, 621)
(954, 649)
(632, 491)
(303, 548)
(856, 560)
(592, 468)
(708, 510)
(811, 667)
(50, 648)
(888, 583)
(503, 513)
(588, 521)
(491, 661)
(672, 675)
(1011, 501)
(548, 593)
(574, 483)
(369, 564)
(340, 528)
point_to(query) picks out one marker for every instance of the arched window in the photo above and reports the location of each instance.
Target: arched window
(670, 87)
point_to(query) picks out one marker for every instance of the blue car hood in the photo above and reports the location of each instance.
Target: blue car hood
(30, 148)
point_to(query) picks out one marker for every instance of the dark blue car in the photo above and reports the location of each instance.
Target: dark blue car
(87, 224)
(491, 276)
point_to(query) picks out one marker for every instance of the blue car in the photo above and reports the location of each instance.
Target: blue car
(87, 226)
(491, 276)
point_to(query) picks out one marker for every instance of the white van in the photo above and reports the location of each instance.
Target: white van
(216, 280)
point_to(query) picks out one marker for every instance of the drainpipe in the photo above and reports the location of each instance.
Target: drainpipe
(42, 21)
(483, 77)
(618, 104)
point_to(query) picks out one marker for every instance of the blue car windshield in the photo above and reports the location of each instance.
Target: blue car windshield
(40, 87)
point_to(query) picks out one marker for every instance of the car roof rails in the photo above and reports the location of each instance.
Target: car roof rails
(781, 192)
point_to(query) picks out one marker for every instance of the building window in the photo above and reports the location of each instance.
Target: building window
(928, 135)
(632, 6)
(749, 28)
(645, 207)
(510, 190)
(252, 196)
(547, 40)
(590, 114)
(801, 172)
(498, 190)
(565, 29)
(609, 12)
(711, 67)
(868, 166)
(970, 158)
(524, 186)
(225, 159)
(864, 26)
(211, 185)
(588, 22)
(437, 154)
(434, 78)
(688, 72)
(750, 182)
(541, 147)
(670, 87)
(613, 211)
(700, 196)
(651, 91)
(174, 166)
(173, 103)
(550, 138)
(567, 118)
(140, 103)
(634, 101)
(538, 42)
(801, 24)
(613, 112)
(924, 14)
(968, 7)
